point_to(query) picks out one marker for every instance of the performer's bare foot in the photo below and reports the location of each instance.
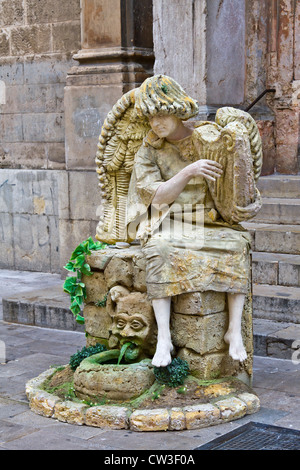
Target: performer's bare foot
(236, 347)
(162, 356)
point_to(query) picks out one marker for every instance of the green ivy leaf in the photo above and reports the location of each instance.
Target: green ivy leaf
(85, 247)
(79, 261)
(70, 284)
(75, 308)
(76, 300)
(86, 269)
(79, 319)
(78, 290)
(70, 267)
(77, 252)
(84, 292)
(91, 243)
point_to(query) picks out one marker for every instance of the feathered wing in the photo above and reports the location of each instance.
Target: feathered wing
(227, 115)
(234, 141)
(121, 136)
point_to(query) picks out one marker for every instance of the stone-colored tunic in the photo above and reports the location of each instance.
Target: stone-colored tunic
(212, 255)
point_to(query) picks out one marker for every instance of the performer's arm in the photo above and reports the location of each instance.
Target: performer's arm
(171, 189)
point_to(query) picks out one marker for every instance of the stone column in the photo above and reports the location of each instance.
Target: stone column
(179, 32)
(116, 55)
(283, 75)
(201, 44)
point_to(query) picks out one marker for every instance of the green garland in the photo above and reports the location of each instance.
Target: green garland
(74, 285)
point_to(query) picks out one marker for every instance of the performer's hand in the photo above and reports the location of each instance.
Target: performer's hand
(209, 169)
(169, 190)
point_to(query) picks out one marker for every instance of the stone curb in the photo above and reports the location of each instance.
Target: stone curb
(121, 417)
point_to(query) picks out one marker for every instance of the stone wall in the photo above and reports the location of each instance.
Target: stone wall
(43, 213)
(227, 52)
(52, 108)
(37, 40)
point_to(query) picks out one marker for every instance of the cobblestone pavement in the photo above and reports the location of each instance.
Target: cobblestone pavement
(32, 350)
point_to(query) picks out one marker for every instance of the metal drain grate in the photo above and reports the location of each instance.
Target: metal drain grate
(256, 436)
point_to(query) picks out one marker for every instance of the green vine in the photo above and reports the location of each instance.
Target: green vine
(77, 264)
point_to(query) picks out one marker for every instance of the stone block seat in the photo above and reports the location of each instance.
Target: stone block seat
(199, 320)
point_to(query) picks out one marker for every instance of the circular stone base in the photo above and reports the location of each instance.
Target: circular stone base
(219, 401)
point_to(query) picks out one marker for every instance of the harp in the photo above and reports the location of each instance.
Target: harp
(234, 142)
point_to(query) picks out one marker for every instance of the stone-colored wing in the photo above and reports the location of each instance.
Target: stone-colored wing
(234, 194)
(121, 136)
(228, 115)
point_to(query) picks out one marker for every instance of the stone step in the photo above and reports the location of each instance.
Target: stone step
(279, 210)
(279, 186)
(276, 303)
(47, 308)
(276, 269)
(274, 238)
(274, 339)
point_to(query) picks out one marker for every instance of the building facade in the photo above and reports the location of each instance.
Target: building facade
(64, 64)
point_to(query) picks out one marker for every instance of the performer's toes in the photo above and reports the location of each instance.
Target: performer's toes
(162, 357)
(237, 350)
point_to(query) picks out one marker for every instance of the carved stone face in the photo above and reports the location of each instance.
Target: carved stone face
(131, 327)
(164, 125)
(133, 319)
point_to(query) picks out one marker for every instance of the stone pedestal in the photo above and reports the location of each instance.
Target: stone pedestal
(199, 320)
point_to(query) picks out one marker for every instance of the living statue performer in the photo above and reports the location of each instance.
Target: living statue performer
(155, 165)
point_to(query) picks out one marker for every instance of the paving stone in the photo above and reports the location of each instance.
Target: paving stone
(275, 339)
(10, 431)
(252, 402)
(177, 419)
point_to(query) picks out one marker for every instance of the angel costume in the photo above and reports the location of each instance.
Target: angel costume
(213, 255)
(210, 256)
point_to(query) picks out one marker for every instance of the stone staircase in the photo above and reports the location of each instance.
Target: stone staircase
(276, 266)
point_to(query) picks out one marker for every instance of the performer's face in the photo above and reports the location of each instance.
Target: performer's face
(164, 125)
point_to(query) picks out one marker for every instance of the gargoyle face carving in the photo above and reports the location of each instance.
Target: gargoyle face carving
(131, 327)
(132, 319)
